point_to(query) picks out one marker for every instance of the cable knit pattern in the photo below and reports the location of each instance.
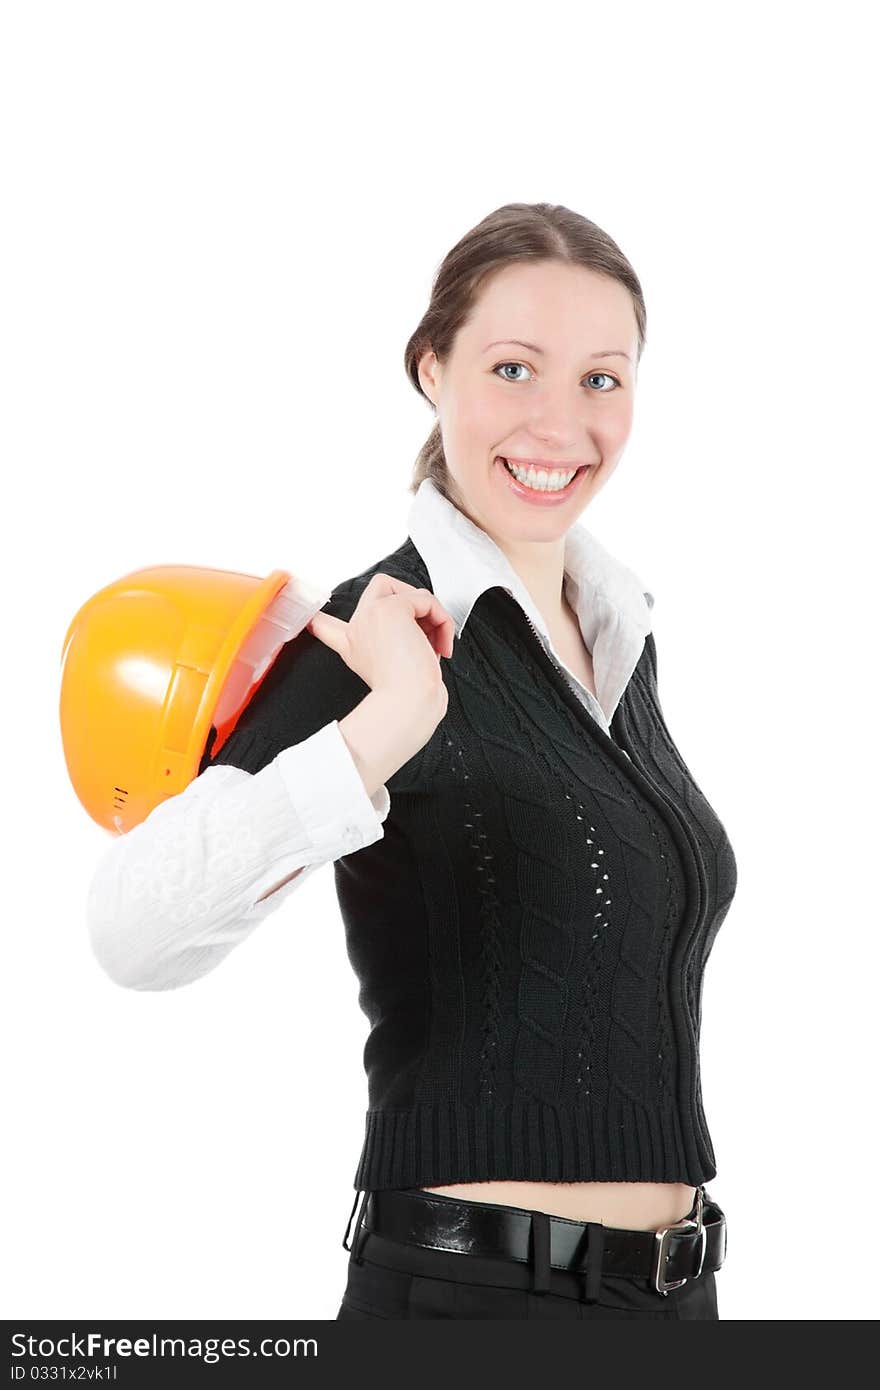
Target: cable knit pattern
(490, 955)
(595, 852)
(530, 933)
(714, 848)
(654, 838)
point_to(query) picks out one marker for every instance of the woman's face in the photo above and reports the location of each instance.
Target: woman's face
(566, 399)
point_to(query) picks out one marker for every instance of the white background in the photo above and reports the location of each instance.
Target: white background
(220, 224)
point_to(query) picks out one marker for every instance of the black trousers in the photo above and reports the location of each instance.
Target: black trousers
(392, 1279)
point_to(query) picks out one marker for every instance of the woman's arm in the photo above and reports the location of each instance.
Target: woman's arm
(172, 897)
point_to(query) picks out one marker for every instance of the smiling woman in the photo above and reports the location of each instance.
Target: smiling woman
(524, 446)
(552, 1118)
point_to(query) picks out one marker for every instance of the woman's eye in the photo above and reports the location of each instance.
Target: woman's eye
(592, 376)
(607, 376)
(508, 364)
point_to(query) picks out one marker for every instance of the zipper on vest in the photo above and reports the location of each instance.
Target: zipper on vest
(565, 678)
(698, 924)
(586, 718)
(597, 730)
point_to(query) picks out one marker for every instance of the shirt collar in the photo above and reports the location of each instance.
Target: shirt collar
(612, 606)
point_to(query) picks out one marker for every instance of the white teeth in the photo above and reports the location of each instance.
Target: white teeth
(540, 478)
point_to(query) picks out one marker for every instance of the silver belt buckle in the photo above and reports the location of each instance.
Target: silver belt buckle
(661, 1249)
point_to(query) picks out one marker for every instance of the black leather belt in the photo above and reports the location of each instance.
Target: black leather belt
(669, 1257)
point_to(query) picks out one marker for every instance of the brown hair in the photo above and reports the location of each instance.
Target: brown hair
(515, 232)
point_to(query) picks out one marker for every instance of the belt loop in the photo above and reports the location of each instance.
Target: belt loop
(595, 1252)
(540, 1252)
(359, 1237)
(348, 1223)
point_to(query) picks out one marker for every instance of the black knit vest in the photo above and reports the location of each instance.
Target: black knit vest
(531, 931)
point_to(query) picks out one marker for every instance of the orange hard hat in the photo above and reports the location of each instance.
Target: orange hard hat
(155, 660)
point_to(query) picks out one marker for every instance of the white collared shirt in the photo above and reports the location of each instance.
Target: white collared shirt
(611, 604)
(172, 897)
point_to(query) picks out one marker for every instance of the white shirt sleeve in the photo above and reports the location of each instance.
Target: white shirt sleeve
(172, 897)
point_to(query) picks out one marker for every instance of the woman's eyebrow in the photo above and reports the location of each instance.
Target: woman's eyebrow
(533, 347)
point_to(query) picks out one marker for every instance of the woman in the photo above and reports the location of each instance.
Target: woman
(529, 877)
(558, 400)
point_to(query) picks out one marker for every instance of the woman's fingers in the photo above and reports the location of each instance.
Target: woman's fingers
(435, 622)
(432, 617)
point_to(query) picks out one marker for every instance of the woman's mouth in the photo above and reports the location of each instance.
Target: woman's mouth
(539, 486)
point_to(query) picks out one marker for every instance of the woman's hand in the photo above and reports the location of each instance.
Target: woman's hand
(394, 640)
